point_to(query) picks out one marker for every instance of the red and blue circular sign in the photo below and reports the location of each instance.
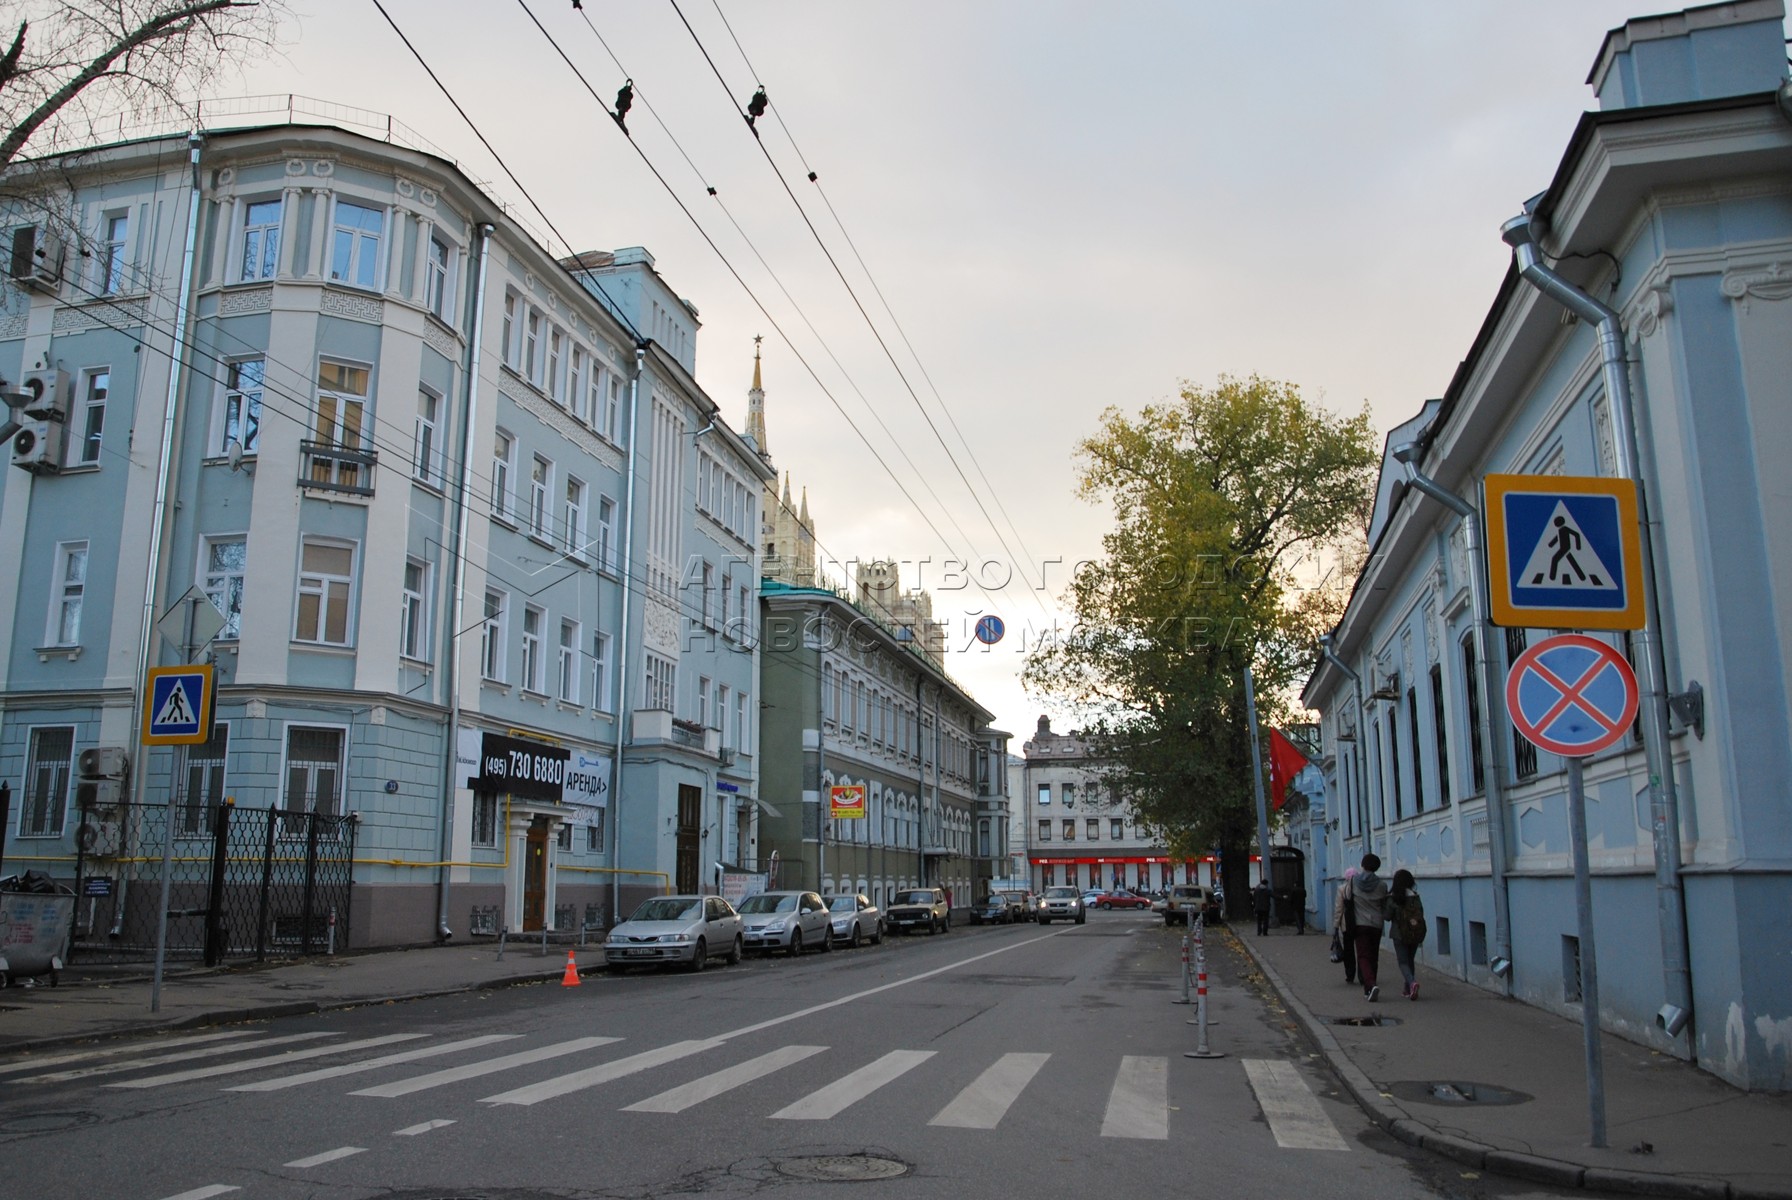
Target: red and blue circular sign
(1571, 695)
(990, 630)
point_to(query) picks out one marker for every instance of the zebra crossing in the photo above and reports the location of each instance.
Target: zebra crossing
(1137, 1104)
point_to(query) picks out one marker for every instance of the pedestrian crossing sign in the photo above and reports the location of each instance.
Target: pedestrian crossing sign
(1563, 552)
(177, 706)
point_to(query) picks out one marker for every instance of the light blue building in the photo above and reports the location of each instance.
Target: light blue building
(481, 551)
(1645, 329)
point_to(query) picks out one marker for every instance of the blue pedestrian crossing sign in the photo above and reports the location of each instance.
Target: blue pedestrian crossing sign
(1563, 552)
(177, 706)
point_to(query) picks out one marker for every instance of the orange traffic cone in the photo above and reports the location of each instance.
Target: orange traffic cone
(571, 978)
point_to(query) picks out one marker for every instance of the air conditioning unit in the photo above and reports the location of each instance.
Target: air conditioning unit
(52, 391)
(98, 839)
(36, 258)
(38, 447)
(103, 762)
(98, 795)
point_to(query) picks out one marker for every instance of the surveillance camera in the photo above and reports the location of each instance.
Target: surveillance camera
(1672, 1019)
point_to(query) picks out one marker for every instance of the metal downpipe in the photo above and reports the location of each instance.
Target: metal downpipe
(623, 716)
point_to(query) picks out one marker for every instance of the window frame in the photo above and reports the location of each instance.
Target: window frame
(493, 635)
(113, 259)
(67, 595)
(289, 728)
(267, 235)
(90, 416)
(572, 637)
(532, 664)
(426, 437)
(438, 275)
(54, 812)
(603, 692)
(540, 518)
(573, 515)
(323, 592)
(212, 579)
(358, 243)
(240, 408)
(414, 611)
(504, 476)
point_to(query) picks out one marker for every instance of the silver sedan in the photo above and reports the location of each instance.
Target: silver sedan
(676, 929)
(856, 920)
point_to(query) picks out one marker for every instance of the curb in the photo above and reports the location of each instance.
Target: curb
(1535, 1168)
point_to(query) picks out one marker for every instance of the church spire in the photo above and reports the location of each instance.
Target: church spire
(756, 405)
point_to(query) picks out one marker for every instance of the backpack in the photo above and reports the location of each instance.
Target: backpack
(1409, 920)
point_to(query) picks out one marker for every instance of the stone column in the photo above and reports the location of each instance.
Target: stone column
(318, 253)
(289, 221)
(395, 255)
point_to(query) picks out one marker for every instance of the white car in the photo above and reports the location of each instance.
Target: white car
(676, 929)
(856, 920)
(787, 921)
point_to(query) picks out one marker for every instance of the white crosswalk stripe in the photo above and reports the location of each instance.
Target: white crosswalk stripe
(986, 1101)
(255, 1064)
(158, 1060)
(843, 1093)
(490, 1066)
(371, 1064)
(578, 1081)
(1139, 1104)
(1289, 1105)
(710, 1086)
(56, 1060)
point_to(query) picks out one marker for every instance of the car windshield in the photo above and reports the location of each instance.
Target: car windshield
(914, 898)
(766, 902)
(844, 903)
(669, 908)
(1062, 893)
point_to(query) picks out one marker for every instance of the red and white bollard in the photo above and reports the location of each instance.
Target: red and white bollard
(1200, 1022)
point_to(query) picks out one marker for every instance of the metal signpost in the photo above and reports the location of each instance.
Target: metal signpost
(1574, 695)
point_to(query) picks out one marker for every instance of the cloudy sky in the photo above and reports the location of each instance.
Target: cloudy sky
(1063, 205)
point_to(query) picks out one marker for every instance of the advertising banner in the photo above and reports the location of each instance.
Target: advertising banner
(846, 801)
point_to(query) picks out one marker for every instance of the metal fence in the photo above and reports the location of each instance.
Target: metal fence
(242, 882)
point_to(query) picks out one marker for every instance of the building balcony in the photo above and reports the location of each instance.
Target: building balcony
(653, 725)
(327, 467)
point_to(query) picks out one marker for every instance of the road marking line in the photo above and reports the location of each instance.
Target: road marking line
(328, 1156)
(135, 1047)
(490, 1066)
(848, 1090)
(425, 1127)
(986, 1101)
(561, 1085)
(206, 1192)
(1289, 1105)
(1139, 1105)
(287, 1081)
(710, 1086)
(157, 1060)
(255, 1064)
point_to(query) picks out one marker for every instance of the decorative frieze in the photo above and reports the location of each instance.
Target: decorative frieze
(441, 341)
(1650, 310)
(659, 627)
(250, 300)
(355, 307)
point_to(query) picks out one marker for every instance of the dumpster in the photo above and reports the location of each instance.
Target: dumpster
(34, 930)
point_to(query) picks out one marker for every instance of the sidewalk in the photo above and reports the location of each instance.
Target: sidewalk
(97, 1002)
(1672, 1129)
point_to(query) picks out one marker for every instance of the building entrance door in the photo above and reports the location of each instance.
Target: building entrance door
(690, 833)
(535, 877)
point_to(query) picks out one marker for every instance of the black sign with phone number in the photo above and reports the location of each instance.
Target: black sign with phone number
(527, 769)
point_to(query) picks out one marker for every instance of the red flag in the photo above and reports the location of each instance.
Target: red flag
(1285, 762)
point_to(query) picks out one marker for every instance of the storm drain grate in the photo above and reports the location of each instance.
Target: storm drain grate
(1455, 1092)
(841, 1168)
(1362, 1021)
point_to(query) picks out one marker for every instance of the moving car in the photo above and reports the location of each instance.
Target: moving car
(1182, 899)
(1062, 904)
(786, 920)
(676, 929)
(1121, 899)
(919, 908)
(855, 920)
(999, 909)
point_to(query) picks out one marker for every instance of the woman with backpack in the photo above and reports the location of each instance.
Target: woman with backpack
(1406, 924)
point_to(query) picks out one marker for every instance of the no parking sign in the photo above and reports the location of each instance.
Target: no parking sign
(1571, 695)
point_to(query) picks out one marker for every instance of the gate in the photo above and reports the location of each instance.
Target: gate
(241, 882)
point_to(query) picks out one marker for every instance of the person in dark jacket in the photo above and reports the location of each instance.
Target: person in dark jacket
(1300, 908)
(1260, 904)
(1406, 926)
(1369, 897)
(1344, 925)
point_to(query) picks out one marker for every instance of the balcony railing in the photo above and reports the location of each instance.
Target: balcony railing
(332, 468)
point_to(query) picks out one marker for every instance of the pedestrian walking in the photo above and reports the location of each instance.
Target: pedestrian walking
(1300, 908)
(1260, 904)
(1344, 927)
(1369, 903)
(1406, 926)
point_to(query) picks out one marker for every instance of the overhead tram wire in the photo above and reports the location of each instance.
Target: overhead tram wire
(869, 323)
(759, 304)
(714, 194)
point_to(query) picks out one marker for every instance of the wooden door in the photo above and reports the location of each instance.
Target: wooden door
(535, 877)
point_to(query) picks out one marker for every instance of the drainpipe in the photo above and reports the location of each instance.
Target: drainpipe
(1664, 798)
(462, 516)
(623, 715)
(1493, 755)
(1362, 730)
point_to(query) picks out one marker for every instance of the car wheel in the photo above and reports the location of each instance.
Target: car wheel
(853, 941)
(614, 968)
(796, 943)
(946, 924)
(700, 955)
(827, 938)
(1045, 920)
(1104, 906)
(1079, 918)
(877, 937)
(739, 952)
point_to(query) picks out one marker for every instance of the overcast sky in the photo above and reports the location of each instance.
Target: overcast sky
(1066, 206)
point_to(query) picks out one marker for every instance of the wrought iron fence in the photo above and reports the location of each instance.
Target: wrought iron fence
(245, 882)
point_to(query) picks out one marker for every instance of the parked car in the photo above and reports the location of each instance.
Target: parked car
(855, 920)
(1090, 896)
(1184, 898)
(1121, 898)
(1062, 904)
(787, 921)
(676, 929)
(1026, 905)
(919, 908)
(999, 909)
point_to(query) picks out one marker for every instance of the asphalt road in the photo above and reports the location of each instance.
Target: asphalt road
(988, 1062)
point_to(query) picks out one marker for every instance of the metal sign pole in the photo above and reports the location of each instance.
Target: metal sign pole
(1589, 971)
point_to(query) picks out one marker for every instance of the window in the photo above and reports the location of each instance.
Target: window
(413, 632)
(225, 559)
(1045, 830)
(744, 632)
(742, 741)
(91, 419)
(572, 518)
(507, 351)
(204, 789)
(1394, 760)
(532, 621)
(326, 576)
(722, 717)
(261, 239)
(485, 819)
(341, 418)
(541, 478)
(600, 672)
(606, 533)
(532, 346)
(1045, 794)
(703, 701)
(435, 279)
(113, 247)
(69, 588)
(1471, 690)
(594, 833)
(1412, 741)
(1070, 829)
(355, 245)
(563, 836)
(1092, 829)
(611, 425)
(1441, 731)
(1116, 828)
(1524, 751)
(578, 400)
(662, 679)
(570, 640)
(314, 771)
(708, 602)
(242, 404)
(427, 438)
(47, 770)
(503, 473)
(1070, 795)
(556, 357)
(491, 637)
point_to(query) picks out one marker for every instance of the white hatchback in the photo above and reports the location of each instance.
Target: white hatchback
(787, 921)
(676, 929)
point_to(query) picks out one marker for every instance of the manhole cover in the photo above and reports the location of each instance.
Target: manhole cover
(48, 1122)
(1454, 1092)
(1362, 1021)
(841, 1168)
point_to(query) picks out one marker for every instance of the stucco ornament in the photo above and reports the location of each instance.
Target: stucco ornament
(1772, 282)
